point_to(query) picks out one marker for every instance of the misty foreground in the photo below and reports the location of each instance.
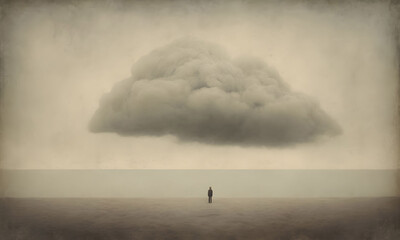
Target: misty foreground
(193, 218)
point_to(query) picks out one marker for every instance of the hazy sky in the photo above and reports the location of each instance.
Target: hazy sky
(60, 59)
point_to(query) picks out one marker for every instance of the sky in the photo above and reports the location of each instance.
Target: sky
(61, 59)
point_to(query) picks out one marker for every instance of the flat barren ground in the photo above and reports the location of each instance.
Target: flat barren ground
(194, 218)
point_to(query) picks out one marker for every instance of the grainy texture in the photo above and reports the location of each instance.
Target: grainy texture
(352, 219)
(59, 57)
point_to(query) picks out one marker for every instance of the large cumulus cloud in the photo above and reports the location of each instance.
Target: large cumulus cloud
(195, 91)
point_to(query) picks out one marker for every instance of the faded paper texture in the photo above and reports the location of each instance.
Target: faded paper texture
(211, 85)
(117, 116)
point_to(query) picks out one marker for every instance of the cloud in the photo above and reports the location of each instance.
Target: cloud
(195, 91)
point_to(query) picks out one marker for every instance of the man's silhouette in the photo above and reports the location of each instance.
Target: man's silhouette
(210, 194)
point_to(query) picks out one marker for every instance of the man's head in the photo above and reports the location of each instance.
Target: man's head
(210, 188)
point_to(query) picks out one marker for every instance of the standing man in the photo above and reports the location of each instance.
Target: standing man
(210, 194)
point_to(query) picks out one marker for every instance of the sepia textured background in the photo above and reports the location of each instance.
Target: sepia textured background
(59, 59)
(116, 117)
